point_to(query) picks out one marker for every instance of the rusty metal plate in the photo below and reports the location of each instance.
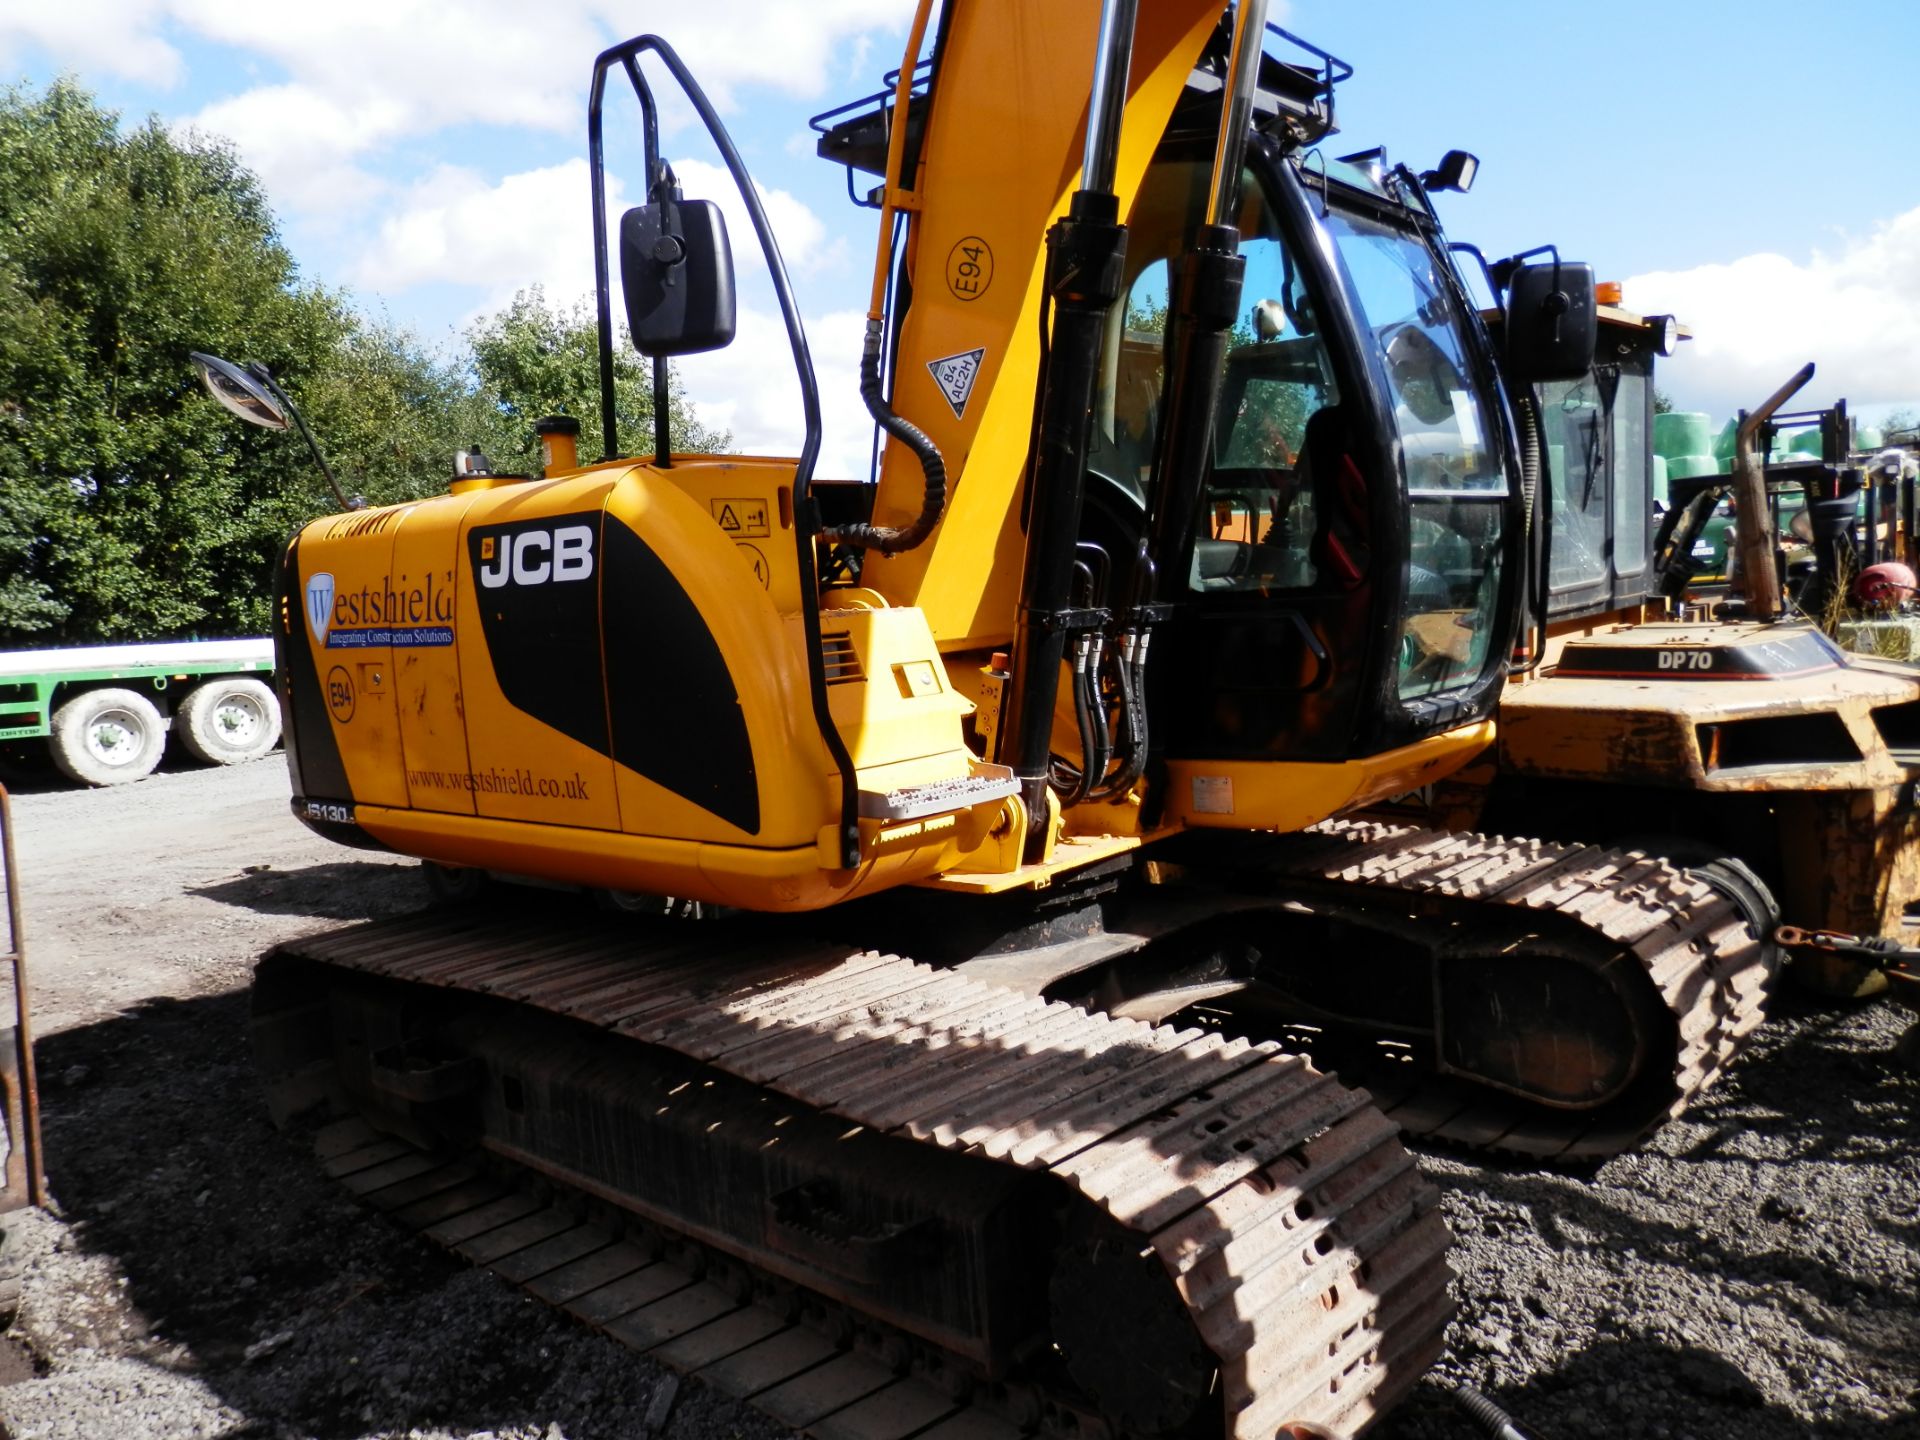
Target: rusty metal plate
(566, 1283)
(619, 1297)
(685, 1309)
(716, 1340)
(770, 1362)
(904, 1408)
(817, 1393)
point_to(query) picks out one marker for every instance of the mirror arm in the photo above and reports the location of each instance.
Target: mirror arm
(265, 377)
(1418, 185)
(1501, 271)
(649, 124)
(659, 182)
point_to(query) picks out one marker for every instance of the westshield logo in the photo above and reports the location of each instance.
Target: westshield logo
(320, 603)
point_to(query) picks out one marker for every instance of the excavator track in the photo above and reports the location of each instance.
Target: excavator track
(1689, 939)
(1219, 1200)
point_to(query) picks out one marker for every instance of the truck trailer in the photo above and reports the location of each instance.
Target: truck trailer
(105, 710)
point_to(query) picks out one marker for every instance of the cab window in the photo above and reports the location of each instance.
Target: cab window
(1262, 509)
(1456, 482)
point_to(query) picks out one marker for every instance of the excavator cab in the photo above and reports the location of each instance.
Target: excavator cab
(1347, 584)
(1337, 571)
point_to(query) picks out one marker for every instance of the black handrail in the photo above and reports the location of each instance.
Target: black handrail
(627, 54)
(1332, 73)
(922, 71)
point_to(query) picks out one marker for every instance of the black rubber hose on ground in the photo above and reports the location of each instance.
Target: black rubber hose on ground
(892, 539)
(1492, 1421)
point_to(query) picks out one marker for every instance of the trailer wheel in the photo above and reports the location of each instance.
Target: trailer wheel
(107, 737)
(224, 722)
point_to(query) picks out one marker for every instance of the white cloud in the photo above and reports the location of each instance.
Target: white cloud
(1854, 311)
(750, 388)
(114, 37)
(799, 232)
(299, 139)
(455, 226)
(534, 228)
(793, 46)
(361, 77)
(501, 238)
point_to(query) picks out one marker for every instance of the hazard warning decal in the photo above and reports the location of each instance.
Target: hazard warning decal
(955, 376)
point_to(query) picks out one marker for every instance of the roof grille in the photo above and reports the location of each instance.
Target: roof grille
(838, 659)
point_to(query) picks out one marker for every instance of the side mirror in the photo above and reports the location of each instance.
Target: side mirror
(1551, 328)
(1454, 172)
(239, 391)
(253, 395)
(677, 271)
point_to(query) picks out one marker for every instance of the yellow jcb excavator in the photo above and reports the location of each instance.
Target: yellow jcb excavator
(1202, 520)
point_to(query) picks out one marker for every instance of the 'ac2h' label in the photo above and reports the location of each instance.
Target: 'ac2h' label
(537, 557)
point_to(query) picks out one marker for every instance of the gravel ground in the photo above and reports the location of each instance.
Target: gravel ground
(1754, 1272)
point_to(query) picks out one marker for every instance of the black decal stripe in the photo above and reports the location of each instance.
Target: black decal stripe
(543, 640)
(1786, 655)
(676, 712)
(313, 756)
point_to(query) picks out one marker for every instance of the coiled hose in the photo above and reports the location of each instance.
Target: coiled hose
(892, 539)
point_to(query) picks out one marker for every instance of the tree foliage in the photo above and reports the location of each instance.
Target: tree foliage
(534, 359)
(131, 505)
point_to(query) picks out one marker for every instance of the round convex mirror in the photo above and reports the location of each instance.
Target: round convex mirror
(239, 392)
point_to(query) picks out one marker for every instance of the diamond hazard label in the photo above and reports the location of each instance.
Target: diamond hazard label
(955, 376)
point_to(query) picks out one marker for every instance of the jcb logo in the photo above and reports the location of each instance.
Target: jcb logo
(537, 557)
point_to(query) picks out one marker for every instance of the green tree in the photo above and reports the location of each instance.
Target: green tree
(390, 414)
(534, 359)
(133, 505)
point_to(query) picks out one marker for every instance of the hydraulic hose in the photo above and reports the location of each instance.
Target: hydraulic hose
(1493, 1422)
(1129, 681)
(1528, 422)
(892, 539)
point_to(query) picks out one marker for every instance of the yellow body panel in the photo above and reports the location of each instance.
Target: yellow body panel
(354, 659)
(426, 678)
(756, 879)
(525, 769)
(535, 675)
(1258, 795)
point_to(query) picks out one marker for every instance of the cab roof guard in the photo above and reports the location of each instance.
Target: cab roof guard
(1291, 93)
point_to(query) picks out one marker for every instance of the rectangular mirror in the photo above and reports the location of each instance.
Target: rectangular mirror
(676, 269)
(1551, 328)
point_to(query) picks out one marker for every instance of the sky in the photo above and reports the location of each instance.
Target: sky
(1749, 167)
